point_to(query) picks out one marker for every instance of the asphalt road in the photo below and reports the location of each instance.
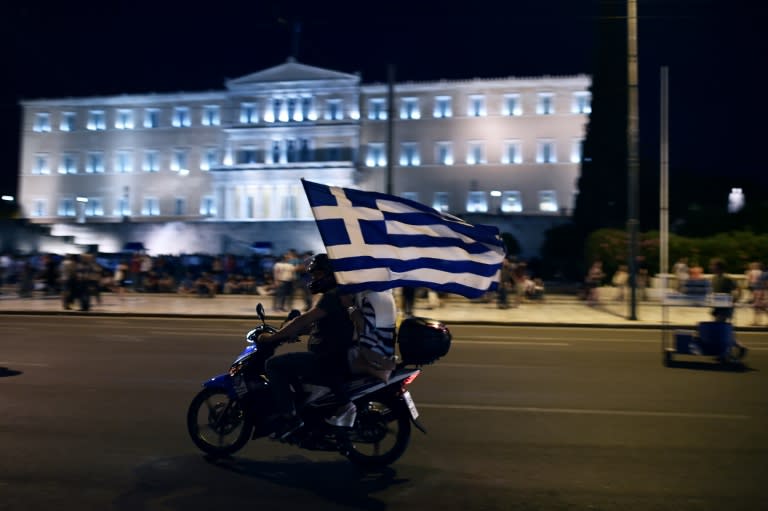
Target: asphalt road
(518, 418)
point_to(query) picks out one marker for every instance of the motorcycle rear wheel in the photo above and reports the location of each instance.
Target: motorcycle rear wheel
(380, 435)
(217, 424)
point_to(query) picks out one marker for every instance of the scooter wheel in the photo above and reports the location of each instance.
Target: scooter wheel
(217, 424)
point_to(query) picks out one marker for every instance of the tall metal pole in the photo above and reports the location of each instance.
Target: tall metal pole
(664, 197)
(390, 127)
(632, 157)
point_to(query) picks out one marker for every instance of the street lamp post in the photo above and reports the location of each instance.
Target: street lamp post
(632, 153)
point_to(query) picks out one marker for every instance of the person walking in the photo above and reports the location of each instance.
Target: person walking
(760, 298)
(619, 281)
(284, 274)
(592, 282)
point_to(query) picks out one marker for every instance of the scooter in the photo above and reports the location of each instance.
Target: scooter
(237, 406)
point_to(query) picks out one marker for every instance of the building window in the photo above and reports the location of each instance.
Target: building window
(276, 154)
(376, 156)
(305, 150)
(545, 104)
(181, 118)
(545, 151)
(94, 163)
(124, 119)
(409, 108)
(42, 122)
(67, 121)
(512, 105)
(548, 201)
(440, 202)
(39, 208)
(377, 109)
(67, 207)
(409, 154)
(477, 202)
(333, 110)
(512, 152)
(248, 113)
(288, 206)
(476, 107)
(151, 206)
(210, 158)
(333, 151)
(444, 153)
(207, 206)
(180, 206)
(151, 161)
(308, 108)
(97, 120)
(211, 115)
(93, 206)
(151, 118)
(123, 162)
(582, 103)
(180, 161)
(414, 196)
(41, 165)
(122, 207)
(294, 114)
(475, 153)
(577, 145)
(68, 164)
(511, 202)
(443, 108)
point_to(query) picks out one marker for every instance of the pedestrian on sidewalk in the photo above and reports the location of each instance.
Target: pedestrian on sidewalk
(619, 281)
(505, 284)
(760, 298)
(592, 282)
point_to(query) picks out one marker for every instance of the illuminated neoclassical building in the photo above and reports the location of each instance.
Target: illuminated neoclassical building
(214, 171)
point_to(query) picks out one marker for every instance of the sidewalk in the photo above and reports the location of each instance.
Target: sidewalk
(556, 310)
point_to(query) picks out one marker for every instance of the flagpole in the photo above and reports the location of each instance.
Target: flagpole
(390, 127)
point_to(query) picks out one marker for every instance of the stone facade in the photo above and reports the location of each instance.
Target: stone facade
(225, 166)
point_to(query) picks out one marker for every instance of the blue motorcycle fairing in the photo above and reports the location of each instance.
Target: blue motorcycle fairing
(251, 348)
(224, 382)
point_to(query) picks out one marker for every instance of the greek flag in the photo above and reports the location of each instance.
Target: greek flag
(378, 241)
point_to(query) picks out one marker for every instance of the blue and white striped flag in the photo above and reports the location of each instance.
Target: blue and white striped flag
(378, 241)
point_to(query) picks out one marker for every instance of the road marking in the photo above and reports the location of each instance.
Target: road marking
(120, 338)
(491, 366)
(519, 343)
(586, 411)
(8, 363)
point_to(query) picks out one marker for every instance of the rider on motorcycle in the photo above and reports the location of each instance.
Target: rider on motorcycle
(330, 337)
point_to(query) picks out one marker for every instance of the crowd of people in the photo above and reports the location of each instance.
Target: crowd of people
(688, 279)
(80, 279)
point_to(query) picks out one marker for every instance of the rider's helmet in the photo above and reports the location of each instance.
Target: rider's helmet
(320, 269)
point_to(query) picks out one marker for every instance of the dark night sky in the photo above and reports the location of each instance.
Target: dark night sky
(716, 51)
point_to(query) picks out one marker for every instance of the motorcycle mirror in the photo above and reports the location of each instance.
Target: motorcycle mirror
(294, 313)
(260, 311)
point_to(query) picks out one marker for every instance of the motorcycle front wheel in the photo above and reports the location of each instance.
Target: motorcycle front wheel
(380, 434)
(217, 424)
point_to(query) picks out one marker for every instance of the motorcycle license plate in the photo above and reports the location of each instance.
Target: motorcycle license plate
(240, 386)
(411, 404)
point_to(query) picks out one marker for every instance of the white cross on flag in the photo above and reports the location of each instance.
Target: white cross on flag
(378, 241)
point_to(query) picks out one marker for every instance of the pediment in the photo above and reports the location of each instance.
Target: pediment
(290, 71)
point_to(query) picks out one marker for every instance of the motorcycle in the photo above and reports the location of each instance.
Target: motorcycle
(237, 406)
